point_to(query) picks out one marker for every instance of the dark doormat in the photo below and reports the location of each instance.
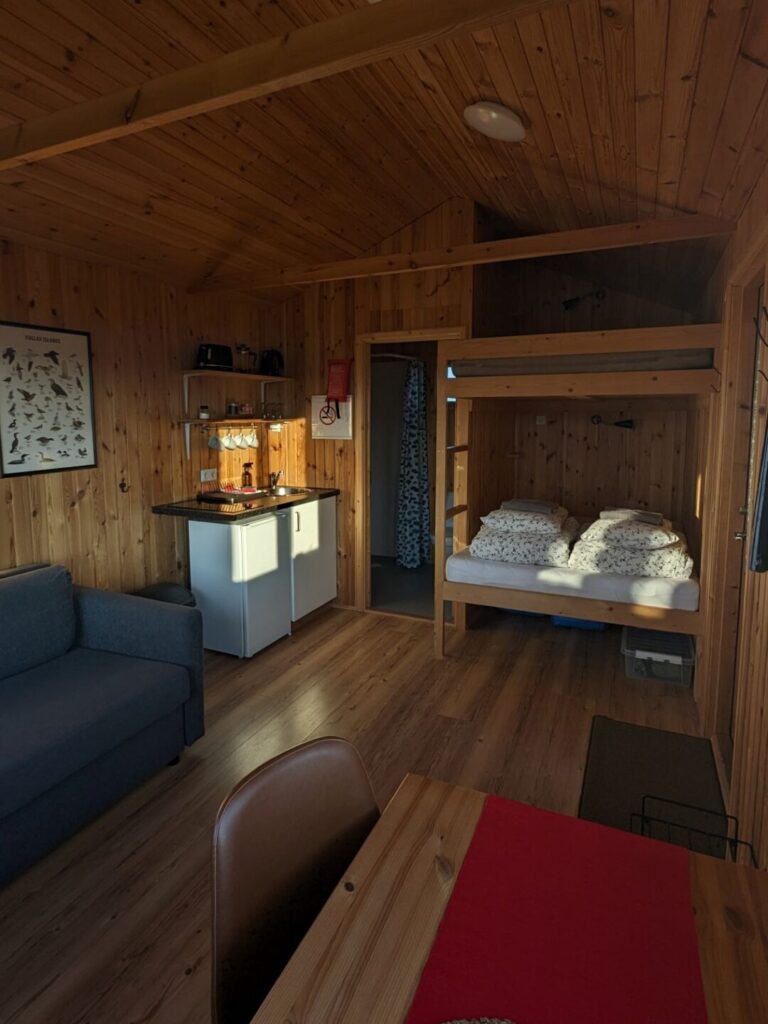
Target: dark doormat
(626, 763)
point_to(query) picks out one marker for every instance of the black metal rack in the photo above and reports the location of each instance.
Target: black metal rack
(699, 829)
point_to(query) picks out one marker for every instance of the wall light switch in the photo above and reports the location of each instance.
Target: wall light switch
(208, 476)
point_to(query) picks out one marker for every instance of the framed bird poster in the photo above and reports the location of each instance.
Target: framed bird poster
(46, 400)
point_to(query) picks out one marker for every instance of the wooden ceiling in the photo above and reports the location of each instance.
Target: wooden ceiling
(635, 110)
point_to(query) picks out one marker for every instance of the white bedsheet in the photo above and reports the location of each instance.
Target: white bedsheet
(652, 591)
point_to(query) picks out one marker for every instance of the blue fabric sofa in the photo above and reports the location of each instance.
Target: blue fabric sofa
(97, 692)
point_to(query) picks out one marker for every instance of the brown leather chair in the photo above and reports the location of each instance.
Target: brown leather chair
(284, 837)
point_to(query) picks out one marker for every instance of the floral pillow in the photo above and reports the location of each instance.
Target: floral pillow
(627, 533)
(525, 548)
(512, 521)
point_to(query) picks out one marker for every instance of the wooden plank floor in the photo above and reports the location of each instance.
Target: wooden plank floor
(113, 927)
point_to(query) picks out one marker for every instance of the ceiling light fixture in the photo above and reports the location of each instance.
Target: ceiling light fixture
(495, 121)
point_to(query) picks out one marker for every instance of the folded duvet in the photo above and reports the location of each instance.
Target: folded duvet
(525, 548)
(511, 520)
(670, 562)
(630, 533)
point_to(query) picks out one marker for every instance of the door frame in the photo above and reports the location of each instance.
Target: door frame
(361, 415)
(720, 673)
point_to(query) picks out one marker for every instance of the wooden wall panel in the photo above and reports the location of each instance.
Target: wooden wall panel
(322, 323)
(527, 298)
(552, 450)
(144, 333)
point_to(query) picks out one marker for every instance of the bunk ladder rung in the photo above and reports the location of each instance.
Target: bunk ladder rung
(455, 511)
(453, 449)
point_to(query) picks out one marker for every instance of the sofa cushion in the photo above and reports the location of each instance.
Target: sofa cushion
(37, 618)
(58, 717)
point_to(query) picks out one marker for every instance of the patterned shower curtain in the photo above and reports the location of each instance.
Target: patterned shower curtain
(413, 538)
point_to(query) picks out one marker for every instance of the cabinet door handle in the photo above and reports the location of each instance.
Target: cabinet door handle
(298, 522)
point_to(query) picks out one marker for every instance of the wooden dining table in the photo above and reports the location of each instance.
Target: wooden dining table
(362, 960)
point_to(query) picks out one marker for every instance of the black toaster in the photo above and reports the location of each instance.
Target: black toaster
(214, 357)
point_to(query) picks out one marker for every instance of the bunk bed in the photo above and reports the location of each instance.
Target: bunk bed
(660, 365)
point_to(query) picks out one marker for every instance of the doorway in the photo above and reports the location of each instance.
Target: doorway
(366, 345)
(402, 477)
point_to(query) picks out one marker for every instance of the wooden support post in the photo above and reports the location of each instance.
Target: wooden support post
(461, 525)
(361, 412)
(440, 502)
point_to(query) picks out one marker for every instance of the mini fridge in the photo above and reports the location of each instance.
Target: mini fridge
(240, 575)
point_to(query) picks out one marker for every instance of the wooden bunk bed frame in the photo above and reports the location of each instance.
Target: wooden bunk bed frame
(604, 383)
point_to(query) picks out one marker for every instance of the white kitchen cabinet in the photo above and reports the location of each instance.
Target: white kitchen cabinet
(240, 574)
(313, 555)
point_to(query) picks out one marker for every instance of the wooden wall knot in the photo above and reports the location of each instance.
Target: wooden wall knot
(735, 919)
(130, 110)
(444, 867)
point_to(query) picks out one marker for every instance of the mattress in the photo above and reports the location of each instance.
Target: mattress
(651, 591)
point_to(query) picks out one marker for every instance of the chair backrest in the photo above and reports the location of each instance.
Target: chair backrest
(284, 837)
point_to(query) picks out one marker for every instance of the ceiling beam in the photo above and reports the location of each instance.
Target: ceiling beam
(304, 55)
(505, 250)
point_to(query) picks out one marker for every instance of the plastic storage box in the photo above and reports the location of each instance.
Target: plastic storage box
(650, 654)
(568, 623)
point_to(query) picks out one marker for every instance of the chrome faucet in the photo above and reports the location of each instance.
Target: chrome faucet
(274, 479)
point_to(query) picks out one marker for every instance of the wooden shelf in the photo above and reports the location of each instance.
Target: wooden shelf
(240, 421)
(259, 378)
(262, 379)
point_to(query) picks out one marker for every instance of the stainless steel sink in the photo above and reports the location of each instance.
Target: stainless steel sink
(283, 492)
(246, 498)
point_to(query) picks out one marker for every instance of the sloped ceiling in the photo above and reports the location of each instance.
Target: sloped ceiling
(635, 110)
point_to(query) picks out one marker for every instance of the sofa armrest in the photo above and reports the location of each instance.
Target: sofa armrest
(142, 628)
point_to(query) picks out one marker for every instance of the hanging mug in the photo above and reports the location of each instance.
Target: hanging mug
(252, 439)
(228, 442)
(214, 441)
(241, 440)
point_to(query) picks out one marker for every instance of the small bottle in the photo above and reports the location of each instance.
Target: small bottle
(204, 412)
(247, 475)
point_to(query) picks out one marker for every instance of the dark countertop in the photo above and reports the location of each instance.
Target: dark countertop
(191, 508)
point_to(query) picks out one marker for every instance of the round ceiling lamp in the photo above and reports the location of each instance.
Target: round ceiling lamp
(495, 121)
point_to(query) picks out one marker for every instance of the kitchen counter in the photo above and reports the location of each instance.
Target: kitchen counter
(196, 510)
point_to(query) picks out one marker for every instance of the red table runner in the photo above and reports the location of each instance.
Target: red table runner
(554, 920)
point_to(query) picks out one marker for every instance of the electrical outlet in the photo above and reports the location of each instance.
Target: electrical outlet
(208, 476)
